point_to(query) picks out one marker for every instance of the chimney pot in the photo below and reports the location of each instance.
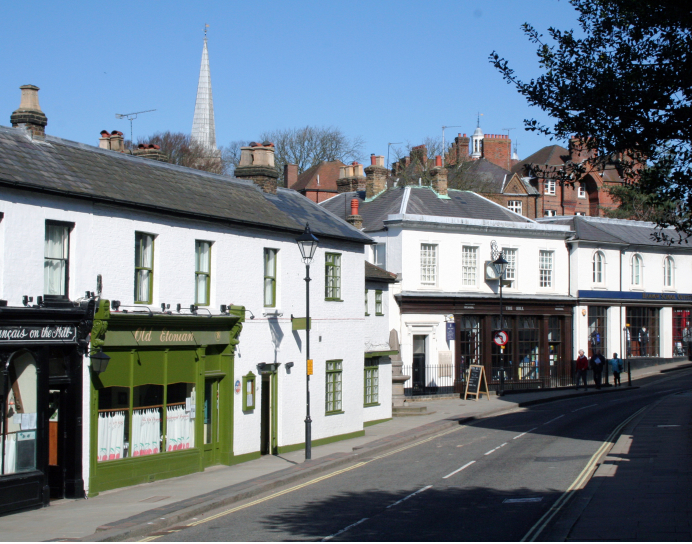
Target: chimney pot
(438, 160)
(373, 159)
(354, 206)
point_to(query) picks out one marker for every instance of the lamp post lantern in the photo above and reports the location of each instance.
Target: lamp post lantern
(500, 265)
(307, 243)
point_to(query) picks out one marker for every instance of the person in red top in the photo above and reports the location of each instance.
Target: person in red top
(582, 367)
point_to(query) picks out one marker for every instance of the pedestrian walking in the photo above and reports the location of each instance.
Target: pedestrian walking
(617, 367)
(582, 367)
(597, 365)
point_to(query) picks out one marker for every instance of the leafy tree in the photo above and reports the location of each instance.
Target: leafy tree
(623, 85)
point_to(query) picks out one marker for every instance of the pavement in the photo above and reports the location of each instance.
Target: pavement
(136, 511)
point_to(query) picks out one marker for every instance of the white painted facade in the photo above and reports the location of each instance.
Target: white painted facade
(618, 280)
(404, 238)
(102, 242)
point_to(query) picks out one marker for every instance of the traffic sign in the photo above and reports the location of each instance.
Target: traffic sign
(501, 338)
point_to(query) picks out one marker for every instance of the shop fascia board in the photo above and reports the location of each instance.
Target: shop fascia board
(565, 299)
(482, 226)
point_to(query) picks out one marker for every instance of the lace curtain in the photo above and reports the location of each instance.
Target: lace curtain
(111, 436)
(180, 434)
(55, 263)
(146, 432)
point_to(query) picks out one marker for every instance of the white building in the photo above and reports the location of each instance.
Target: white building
(633, 292)
(440, 243)
(204, 276)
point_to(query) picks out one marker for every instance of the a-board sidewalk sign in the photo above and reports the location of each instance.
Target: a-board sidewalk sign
(476, 381)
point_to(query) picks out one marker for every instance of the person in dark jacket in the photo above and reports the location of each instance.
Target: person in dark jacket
(598, 363)
(582, 367)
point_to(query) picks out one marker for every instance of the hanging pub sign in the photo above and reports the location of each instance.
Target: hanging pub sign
(30, 333)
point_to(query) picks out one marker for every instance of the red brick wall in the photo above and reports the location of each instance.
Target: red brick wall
(497, 149)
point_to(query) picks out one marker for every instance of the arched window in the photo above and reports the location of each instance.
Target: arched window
(636, 270)
(668, 272)
(598, 267)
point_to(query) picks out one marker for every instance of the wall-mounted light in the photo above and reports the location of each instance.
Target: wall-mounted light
(165, 307)
(115, 305)
(178, 307)
(99, 361)
(289, 365)
(39, 300)
(193, 309)
(223, 308)
(26, 299)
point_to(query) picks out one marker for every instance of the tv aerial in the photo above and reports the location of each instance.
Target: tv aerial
(131, 117)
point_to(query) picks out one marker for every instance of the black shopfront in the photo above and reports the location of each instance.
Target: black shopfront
(41, 350)
(537, 355)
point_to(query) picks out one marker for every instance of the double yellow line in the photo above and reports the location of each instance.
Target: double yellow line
(306, 484)
(580, 481)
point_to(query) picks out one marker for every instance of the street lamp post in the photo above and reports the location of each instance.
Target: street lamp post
(500, 265)
(307, 243)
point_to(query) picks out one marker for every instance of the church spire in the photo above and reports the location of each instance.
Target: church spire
(203, 129)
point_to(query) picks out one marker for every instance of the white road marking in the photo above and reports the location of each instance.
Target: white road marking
(585, 407)
(667, 426)
(522, 434)
(409, 496)
(344, 530)
(458, 470)
(668, 391)
(554, 419)
(495, 449)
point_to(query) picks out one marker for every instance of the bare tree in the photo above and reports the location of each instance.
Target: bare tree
(308, 146)
(181, 150)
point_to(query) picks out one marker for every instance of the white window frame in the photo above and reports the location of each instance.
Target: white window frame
(581, 190)
(549, 213)
(598, 267)
(668, 272)
(515, 206)
(545, 273)
(510, 255)
(56, 259)
(379, 255)
(583, 214)
(639, 262)
(550, 187)
(428, 264)
(469, 266)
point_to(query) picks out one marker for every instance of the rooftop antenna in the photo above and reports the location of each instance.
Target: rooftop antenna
(478, 123)
(131, 117)
(390, 144)
(206, 26)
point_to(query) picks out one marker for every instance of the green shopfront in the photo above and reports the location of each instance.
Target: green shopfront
(164, 405)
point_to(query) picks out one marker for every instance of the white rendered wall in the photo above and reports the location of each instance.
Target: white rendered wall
(102, 242)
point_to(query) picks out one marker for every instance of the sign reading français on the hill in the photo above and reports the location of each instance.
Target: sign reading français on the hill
(476, 381)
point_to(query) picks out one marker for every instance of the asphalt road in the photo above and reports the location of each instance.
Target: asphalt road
(490, 481)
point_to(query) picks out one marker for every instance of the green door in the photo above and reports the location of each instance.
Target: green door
(212, 438)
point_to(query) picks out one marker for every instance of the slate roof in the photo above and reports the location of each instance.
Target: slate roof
(375, 273)
(617, 231)
(328, 172)
(491, 176)
(72, 169)
(421, 201)
(553, 155)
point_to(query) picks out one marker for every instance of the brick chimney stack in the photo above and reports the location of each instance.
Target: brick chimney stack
(29, 114)
(355, 219)
(290, 175)
(439, 177)
(257, 164)
(375, 176)
(351, 178)
(461, 145)
(150, 151)
(497, 149)
(113, 141)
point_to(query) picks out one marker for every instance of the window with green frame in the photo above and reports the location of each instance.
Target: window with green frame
(366, 303)
(202, 272)
(333, 396)
(372, 382)
(378, 303)
(332, 276)
(270, 277)
(144, 267)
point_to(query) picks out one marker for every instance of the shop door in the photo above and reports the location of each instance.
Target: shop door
(418, 364)
(268, 415)
(57, 434)
(212, 442)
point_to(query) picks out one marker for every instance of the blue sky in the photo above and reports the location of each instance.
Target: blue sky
(383, 70)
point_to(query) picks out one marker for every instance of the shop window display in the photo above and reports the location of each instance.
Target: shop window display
(682, 332)
(598, 330)
(642, 332)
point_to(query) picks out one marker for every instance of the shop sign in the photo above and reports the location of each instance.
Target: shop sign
(637, 295)
(450, 331)
(146, 336)
(49, 333)
(237, 387)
